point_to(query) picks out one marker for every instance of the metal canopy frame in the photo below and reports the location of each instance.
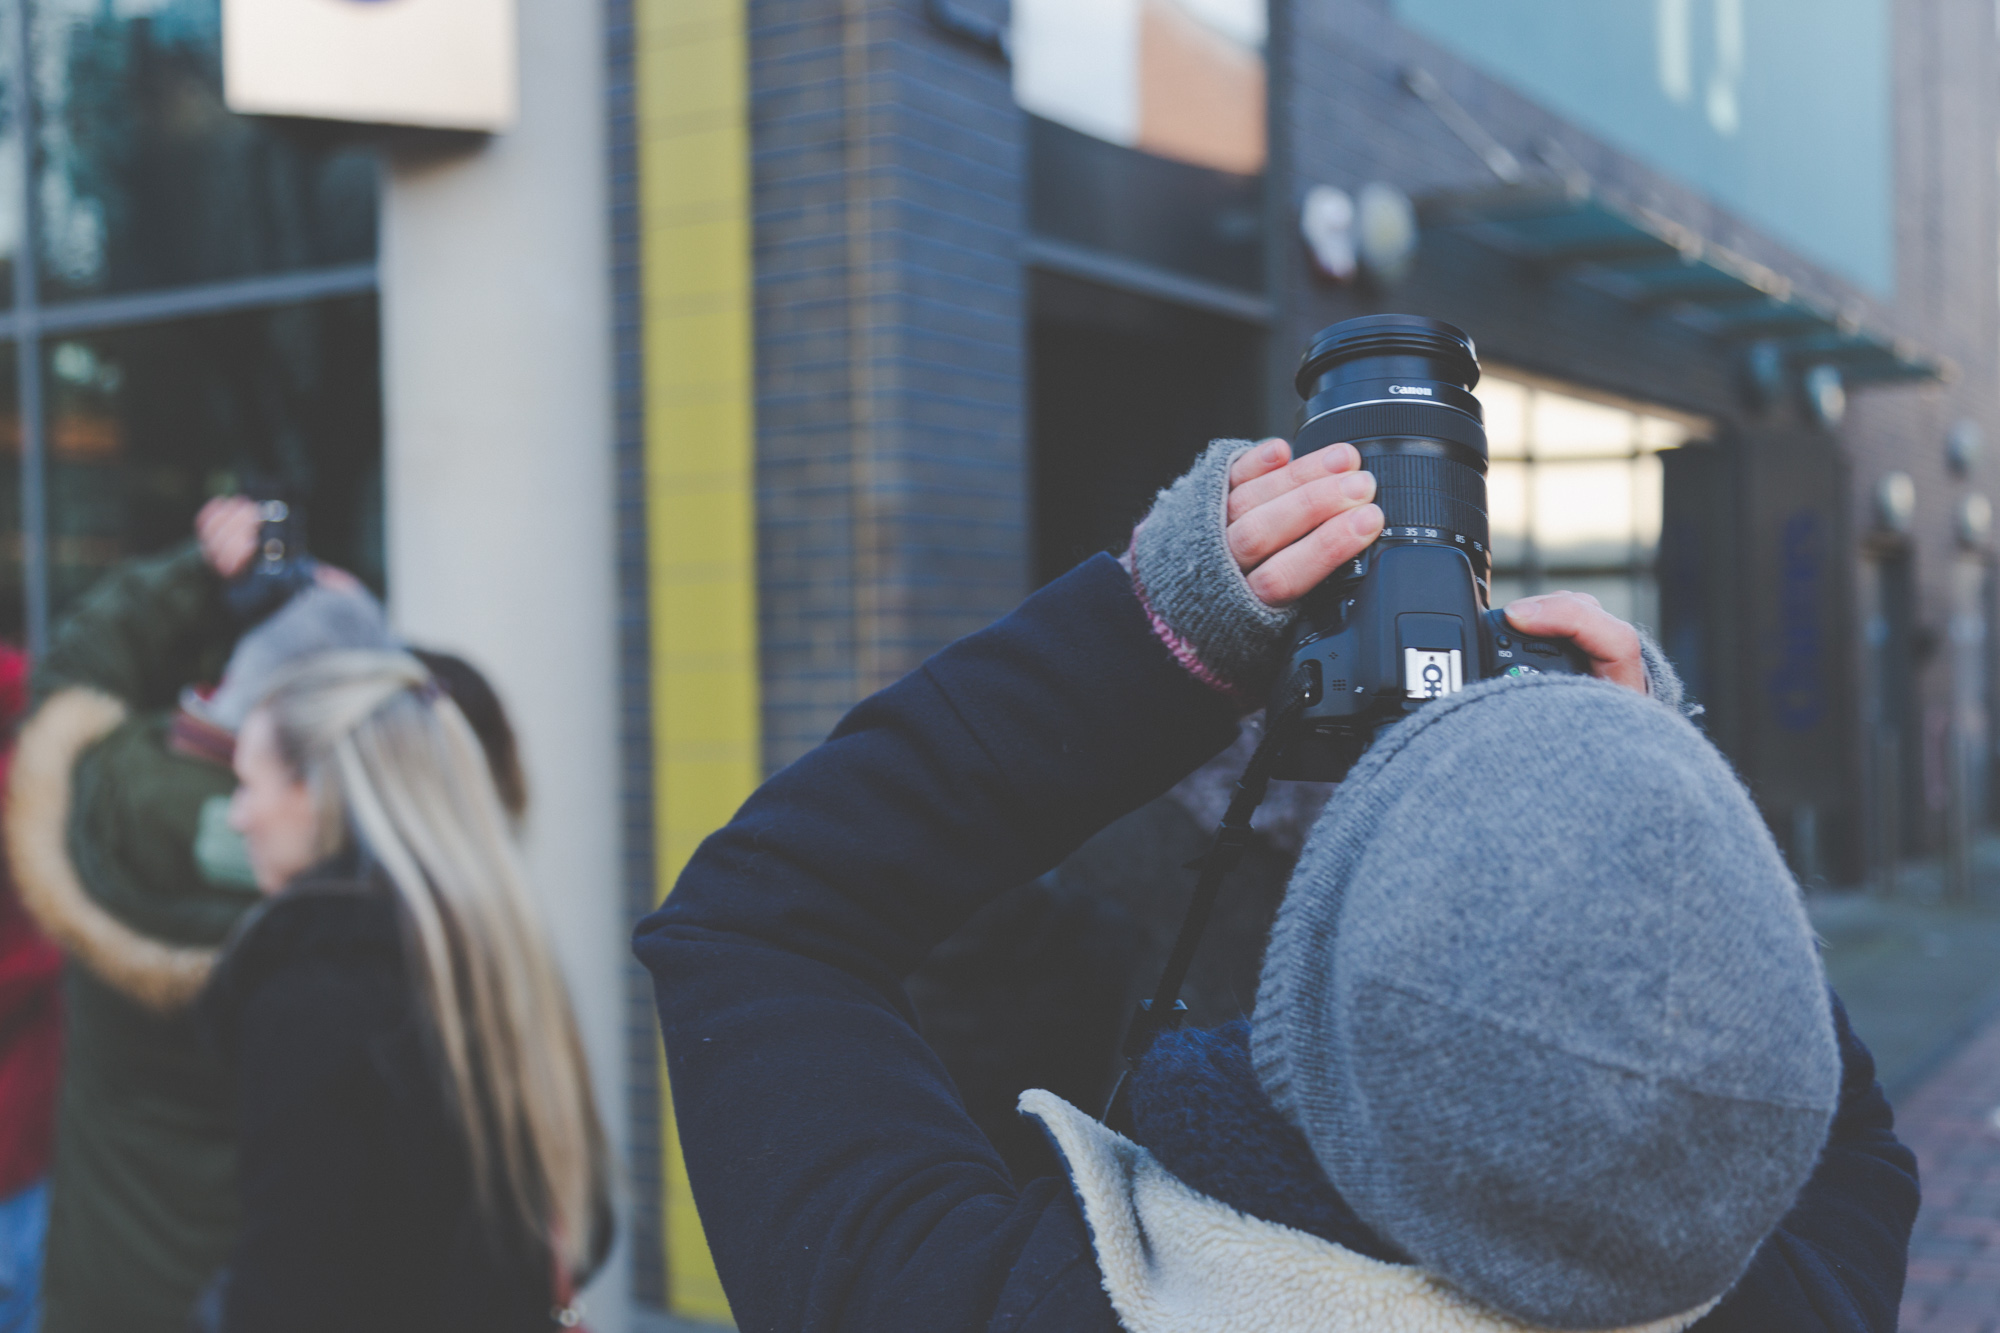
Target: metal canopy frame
(1654, 263)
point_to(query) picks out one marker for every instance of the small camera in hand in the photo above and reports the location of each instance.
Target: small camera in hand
(280, 569)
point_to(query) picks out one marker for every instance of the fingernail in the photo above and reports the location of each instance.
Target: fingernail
(1368, 516)
(1359, 486)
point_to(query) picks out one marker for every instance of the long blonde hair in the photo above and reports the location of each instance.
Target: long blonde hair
(396, 771)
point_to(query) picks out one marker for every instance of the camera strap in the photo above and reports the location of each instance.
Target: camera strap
(1164, 1012)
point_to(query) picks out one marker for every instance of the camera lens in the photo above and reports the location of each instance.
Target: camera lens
(1399, 389)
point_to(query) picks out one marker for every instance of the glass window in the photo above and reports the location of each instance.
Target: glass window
(1574, 492)
(10, 162)
(146, 180)
(144, 424)
(1146, 137)
(13, 587)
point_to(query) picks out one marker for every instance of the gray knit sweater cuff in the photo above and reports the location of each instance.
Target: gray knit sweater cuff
(1200, 605)
(1662, 681)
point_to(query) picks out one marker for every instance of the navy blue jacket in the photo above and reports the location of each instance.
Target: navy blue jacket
(842, 1185)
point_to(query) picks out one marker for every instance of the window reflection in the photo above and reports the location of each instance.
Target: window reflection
(10, 164)
(145, 424)
(1146, 132)
(13, 608)
(1574, 492)
(147, 180)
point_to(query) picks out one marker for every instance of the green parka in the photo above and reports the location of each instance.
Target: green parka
(119, 844)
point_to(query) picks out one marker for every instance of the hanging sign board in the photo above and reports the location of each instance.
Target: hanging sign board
(437, 64)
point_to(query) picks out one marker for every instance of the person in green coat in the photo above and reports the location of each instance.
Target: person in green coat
(117, 829)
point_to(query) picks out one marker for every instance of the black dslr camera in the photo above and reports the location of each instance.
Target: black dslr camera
(1407, 621)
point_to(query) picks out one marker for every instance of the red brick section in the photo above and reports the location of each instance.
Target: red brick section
(1954, 1284)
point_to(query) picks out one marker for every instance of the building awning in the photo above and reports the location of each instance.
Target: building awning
(1653, 262)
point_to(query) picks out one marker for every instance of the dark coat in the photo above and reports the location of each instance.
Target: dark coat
(840, 1181)
(358, 1210)
(143, 1182)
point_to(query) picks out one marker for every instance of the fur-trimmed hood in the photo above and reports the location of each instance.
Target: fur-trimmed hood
(163, 977)
(1176, 1261)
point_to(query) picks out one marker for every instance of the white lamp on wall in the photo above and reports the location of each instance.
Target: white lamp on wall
(1964, 445)
(1975, 521)
(1895, 502)
(1826, 396)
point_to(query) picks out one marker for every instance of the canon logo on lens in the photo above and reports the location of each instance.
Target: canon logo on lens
(1409, 388)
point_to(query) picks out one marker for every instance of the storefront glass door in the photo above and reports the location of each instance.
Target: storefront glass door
(1574, 491)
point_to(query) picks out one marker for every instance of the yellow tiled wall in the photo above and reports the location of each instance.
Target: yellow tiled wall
(691, 71)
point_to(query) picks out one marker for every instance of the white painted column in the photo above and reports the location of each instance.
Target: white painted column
(497, 383)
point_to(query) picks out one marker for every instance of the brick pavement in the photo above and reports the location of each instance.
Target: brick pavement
(1952, 1121)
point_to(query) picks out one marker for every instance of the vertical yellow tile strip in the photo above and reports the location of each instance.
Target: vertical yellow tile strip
(691, 67)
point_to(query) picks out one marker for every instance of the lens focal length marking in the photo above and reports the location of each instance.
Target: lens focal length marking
(1437, 535)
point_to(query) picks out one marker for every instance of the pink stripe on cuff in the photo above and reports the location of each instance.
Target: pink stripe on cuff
(1183, 651)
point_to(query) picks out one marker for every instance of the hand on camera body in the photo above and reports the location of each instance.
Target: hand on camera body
(226, 529)
(1294, 521)
(229, 528)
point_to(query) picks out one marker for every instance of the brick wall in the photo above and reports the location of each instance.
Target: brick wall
(887, 169)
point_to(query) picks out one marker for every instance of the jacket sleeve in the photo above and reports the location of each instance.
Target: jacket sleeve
(142, 632)
(1836, 1263)
(840, 1181)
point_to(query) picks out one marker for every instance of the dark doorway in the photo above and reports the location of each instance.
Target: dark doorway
(1124, 392)
(1698, 570)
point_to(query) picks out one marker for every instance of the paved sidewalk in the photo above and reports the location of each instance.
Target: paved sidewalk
(1952, 1121)
(1921, 979)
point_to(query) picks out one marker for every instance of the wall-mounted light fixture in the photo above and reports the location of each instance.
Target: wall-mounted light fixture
(1326, 224)
(1895, 503)
(1826, 396)
(1975, 521)
(1385, 233)
(1373, 237)
(1963, 446)
(1764, 374)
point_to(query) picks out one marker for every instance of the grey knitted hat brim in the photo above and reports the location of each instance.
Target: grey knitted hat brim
(1544, 1002)
(317, 619)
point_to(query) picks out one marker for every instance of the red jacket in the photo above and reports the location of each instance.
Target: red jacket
(30, 1001)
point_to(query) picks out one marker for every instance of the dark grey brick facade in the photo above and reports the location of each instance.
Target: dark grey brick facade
(887, 168)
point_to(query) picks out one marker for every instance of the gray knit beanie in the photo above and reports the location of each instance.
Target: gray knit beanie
(1544, 1002)
(318, 619)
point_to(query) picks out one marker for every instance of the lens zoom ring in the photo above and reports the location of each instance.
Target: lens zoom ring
(1421, 491)
(1367, 421)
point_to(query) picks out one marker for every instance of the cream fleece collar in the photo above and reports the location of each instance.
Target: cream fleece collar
(1176, 1261)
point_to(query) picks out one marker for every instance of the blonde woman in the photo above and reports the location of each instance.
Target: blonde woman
(420, 1149)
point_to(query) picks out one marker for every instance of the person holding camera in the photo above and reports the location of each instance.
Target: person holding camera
(117, 833)
(1541, 1041)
